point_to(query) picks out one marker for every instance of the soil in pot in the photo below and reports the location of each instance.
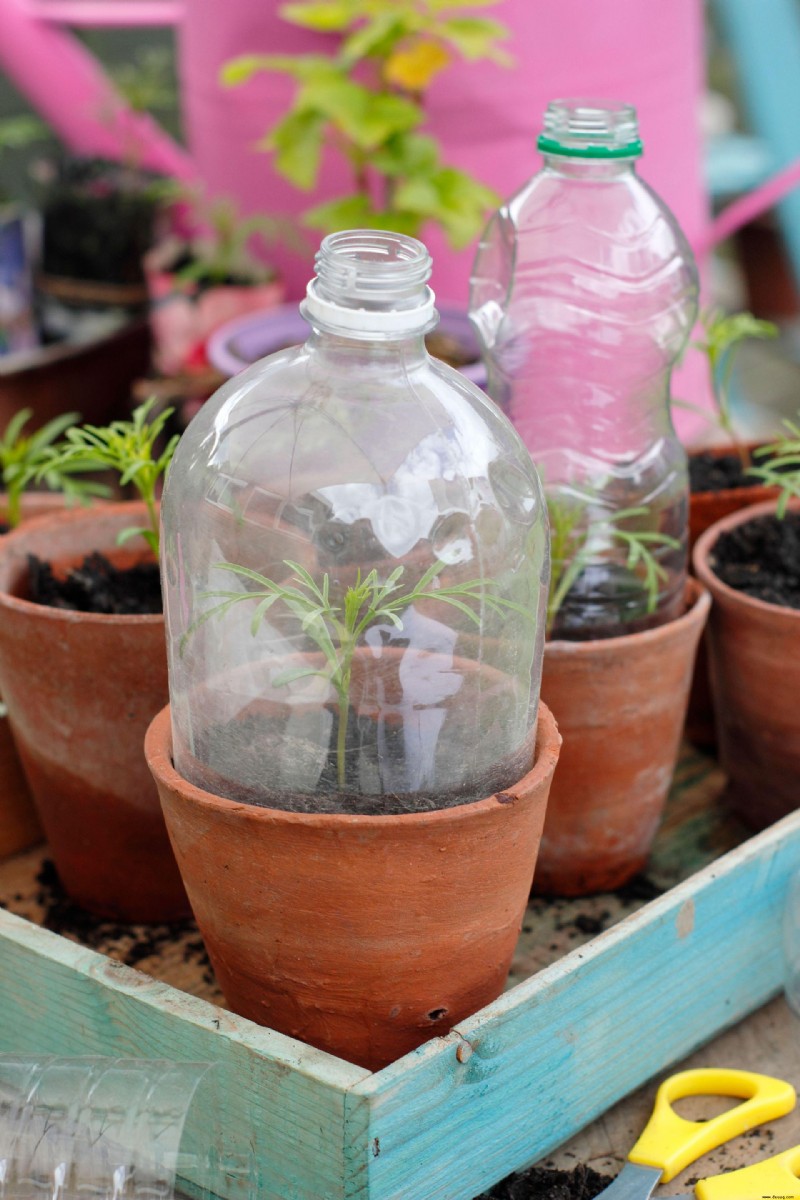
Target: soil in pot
(547, 1183)
(96, 586)
(710, 472)
(762, 559)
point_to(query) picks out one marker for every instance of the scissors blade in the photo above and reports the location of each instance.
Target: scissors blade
(633, 1183)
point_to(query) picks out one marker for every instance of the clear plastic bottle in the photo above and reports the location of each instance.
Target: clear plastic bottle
(584, 292)
(354, 563)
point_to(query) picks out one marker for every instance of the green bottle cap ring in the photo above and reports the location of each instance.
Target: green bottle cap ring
(549, 145)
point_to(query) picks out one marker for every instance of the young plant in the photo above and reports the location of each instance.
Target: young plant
(126, 447)
(723, 338)
(336, 628)
(781, 468)
(366, 100)
(574, 537)
(27, 458)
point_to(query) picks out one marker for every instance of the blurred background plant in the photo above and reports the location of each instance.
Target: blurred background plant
(367, 101)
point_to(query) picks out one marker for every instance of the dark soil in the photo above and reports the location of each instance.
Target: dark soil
(238, 750)
(97, 587)
(717, 473)
(546, 1183)
(762, 559)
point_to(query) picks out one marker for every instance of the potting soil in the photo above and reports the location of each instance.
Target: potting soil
(712, 473)
(547, 1183)
(97, 586)
(762, 559)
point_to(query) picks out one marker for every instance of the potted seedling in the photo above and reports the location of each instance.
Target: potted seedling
(199, 282)
(720, 480)
(749, 562)
(365, 100)
(619, 695)
(24, 461)
(83, 670)
(355, 569)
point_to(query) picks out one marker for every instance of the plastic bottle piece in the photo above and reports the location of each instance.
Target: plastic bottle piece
(583, 295)
(72, 1127)
(355, 562)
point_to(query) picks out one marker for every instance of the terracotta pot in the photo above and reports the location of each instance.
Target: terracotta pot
(755, 676)
(19, 823)
(620, 705)
(706, 508)
(81, 689)
(183, 315)
(363, 936)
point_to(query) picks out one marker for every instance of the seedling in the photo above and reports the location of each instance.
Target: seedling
(574, 539)
(337, 628)
(782, 466)
(366, 100)
(723, 339)
(126, 447)
(27, 458)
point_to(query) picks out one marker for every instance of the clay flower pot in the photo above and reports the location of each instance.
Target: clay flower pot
(19, 823)
(705, 509)
(620, 704)
(364, 936)
(755, 676)
(81, 689)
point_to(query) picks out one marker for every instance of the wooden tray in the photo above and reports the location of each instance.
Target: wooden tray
(603, 994)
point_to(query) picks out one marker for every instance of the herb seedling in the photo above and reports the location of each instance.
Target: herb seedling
(723, 339)
(782, 466)
(126, 447)
(27, 458)
(366, 100)
(573, 539)
(336, 628)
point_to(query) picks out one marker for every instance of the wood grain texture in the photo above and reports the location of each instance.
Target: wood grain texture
(275, 1115)
(551, 1055)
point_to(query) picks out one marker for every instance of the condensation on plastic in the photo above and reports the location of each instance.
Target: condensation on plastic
(791, 943)
(99, 1127)
(583, 294)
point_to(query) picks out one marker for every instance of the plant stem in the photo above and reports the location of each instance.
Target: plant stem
(13, 508)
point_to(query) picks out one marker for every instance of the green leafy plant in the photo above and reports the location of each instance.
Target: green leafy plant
(126, 447)
(336, 627)
(574, 537)
(27, 458)
(723, 337)
(367, 101)
(781, 468)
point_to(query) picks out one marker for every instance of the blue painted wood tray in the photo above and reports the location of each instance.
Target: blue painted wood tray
(578, 1028)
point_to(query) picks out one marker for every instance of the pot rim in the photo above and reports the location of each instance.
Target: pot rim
(698, 602)
(158, 752)
(68, 516)
(704, 545)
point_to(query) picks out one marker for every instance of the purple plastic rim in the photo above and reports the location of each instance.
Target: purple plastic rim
(241, 342)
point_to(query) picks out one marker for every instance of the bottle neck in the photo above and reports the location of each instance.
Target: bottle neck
(335, 350)
(593, 170)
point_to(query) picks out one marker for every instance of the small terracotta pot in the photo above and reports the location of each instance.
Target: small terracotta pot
(81, 689)
(755, 676)
(364, 936)
(705, 509)
(620, 705)
(19, 823)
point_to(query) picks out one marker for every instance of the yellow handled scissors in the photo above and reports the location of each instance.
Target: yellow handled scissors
(670, 1142)
(773, 1178)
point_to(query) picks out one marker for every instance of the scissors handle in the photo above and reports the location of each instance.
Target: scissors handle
(670, 1142)
(775, 1176)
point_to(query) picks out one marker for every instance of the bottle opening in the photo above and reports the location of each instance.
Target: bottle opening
(590, 129)
(369, 282)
